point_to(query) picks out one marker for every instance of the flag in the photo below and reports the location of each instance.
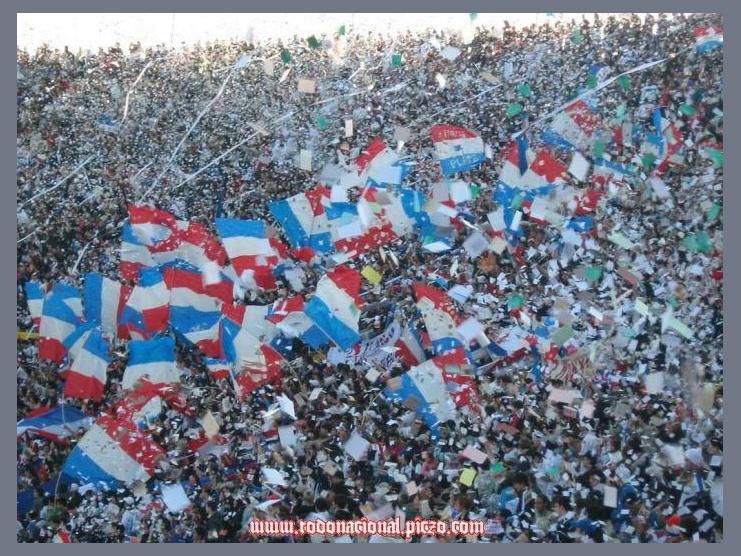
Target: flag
(377, 219)
(289, 317)
(423, 390)
(105, 300)
(461, 384)
(86, 376)
(151, 226)
(70, 295)
(440, 318)
(373, 351)
(575, 127)
(527, 170)
(250, 251)
(510, 344)
(191, 243)
(245, 338)
(195, 314)
(708, 38)
(607, 170)
(255, 374)
(58, 323)
(142, 405)
(219, 369)
(61, 536)
(380, 166)
(147, 310)
(35, 299)
(112, 451)
(667, 145)
(154, 359)
(335, 306)
(303, 219)
(458, 149)
(134, 254)
(411, 352)
(54, 423)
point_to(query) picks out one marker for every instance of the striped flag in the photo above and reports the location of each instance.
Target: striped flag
(112, 451)
(440, 318)
(105, 300)
(195, 314)
(58, 323)
(575, 127)
(147, 310)
(151, 359)
(219, 369)
(411, 352)
(708, 38)
(304, 220)
(35, 298)
(458, 149)
(335, 306)
(86, 376)
(54, 423)
(379, 166)
(134, 254)
(250, 251)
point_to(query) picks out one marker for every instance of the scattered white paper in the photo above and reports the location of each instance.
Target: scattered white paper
(287, 436)
(654, 383)
(356, 446)
(174, 497)
(286, 406)
(611, 497)
(470, 329)
(474, 454)
(450, 53)
(273, 477)
(579, 167)
(348, 128)
(305, 160)
(306, 86)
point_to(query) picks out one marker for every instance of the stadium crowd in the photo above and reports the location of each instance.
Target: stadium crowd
(605, 471)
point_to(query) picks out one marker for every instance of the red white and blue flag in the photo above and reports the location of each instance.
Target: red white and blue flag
(336, 304)
(458, 149)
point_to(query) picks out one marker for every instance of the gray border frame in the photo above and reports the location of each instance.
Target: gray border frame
(732, 194)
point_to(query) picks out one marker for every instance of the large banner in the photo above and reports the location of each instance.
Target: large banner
(370, 351)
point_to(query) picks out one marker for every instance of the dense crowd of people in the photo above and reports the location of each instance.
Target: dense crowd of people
(549, 468)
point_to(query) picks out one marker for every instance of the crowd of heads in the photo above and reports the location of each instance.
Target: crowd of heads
(548, 466)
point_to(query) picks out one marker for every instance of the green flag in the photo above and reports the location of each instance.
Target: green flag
(592, 81)
(514, 109)
(396, 60)
(599, 149)
(473, 16)
(322, 122)
(648, 160)
(716, 156)
(687, 110)
(624, 82)
(515, 301)
(474, 191)
(285, 55)
(341, 31)
(714, 212)
(593, 273)
(523, 90)
(312, 42)
(562, 335)
(576, 36)
(621, 111)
